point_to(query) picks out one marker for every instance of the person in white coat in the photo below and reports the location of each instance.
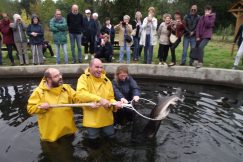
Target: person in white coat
(149, 35)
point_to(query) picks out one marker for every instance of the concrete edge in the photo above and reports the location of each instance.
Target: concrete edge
(215, 76)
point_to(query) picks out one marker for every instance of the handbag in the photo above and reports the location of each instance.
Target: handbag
(173, 38)
(128, 38)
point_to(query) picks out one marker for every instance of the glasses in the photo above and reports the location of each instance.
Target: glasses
(193, 10)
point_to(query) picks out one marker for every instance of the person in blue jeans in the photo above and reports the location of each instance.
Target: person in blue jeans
(149, 35)
(58, 26)
(191, 21)
(75, 25)
(136, 26)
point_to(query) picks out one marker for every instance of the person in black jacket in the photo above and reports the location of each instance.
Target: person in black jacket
(75, 26)
(105, 49)
(191, 21)
(108, 29)
(125, 89)
(90, 30)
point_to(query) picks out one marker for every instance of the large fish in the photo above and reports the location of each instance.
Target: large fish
(161, 110)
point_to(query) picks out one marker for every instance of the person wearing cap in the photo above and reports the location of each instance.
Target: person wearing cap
(75, 26)
(191, 21)
(90, 31)
(20, 38)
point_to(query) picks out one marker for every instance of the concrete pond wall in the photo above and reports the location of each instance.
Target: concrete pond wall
(215, 76)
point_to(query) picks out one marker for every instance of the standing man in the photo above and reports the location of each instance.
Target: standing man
(75, 26)
(94, 86)
(19, 31)
(90, 31)
(58, 26)
(191, 21)
(7, 34)
(53, 123)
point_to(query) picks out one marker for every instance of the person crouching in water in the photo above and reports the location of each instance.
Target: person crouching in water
(125, 89)
(105, 49)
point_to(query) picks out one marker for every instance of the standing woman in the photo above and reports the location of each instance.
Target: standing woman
(164, 42)
(20, 39)
(7, 34)
(136, 26)
(36, 34)
(177, 28)
(124, 29)
(204, 32)
(149, 35)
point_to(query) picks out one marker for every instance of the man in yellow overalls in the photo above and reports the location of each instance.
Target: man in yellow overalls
(94, 86)
(53, 122)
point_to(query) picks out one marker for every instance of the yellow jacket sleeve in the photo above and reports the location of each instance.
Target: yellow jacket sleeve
(83, 91)
(33, 103)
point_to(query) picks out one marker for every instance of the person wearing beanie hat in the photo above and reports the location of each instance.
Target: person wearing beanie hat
(20, 39)
(89, 34)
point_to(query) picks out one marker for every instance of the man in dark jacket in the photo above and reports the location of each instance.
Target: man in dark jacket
(191, 21)
(75, 26)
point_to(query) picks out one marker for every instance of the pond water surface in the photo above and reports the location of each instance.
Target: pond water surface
(206, 126)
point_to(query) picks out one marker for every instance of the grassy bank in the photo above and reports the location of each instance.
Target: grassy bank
(217, 55)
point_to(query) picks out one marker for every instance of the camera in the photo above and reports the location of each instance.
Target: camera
(124, 23)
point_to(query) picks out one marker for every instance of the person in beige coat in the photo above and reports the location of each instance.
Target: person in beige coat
(125, 39)
(149, 35)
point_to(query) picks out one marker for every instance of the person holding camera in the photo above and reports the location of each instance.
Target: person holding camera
(20, 38)
(125, 40)
(149, 35)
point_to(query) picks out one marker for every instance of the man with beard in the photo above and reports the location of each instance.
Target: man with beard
(53, 123)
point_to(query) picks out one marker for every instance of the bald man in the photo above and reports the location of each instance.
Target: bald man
(75, 26)
(53, 123)
(94, 86)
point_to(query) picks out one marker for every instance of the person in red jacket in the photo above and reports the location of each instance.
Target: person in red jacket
(7, 34)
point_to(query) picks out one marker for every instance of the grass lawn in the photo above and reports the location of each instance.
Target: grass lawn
(217, 55)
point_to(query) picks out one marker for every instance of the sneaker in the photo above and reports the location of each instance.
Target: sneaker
(160, 63)
(234, 67)
(199, 65)
(86, 57)
(172, 64)
(73, 62)
(44, 58)
(182, 64)
(54, 56)
(195, 62)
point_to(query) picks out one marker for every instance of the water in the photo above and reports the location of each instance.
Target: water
(207, 126)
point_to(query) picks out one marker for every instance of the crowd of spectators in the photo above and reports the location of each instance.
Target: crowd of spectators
(99, 40)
